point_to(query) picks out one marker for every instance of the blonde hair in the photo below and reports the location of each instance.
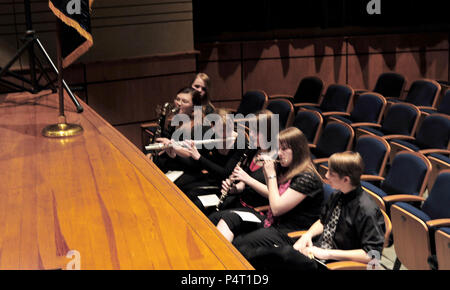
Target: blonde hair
(205, 78)
(294, 139)
(348, 164)
(205, 100)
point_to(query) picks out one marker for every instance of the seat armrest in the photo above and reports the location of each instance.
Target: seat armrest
(320, 160)
(326, 114)
(297, 105)
(427, 108)
(367, 124)
(438, 223)
(367, 177)
(281, 96)
(296, 234)
(401, 137)
(331, 118)
(431, 151)
(438, 161)
(346, 265)
(402, 197)
(390, 137)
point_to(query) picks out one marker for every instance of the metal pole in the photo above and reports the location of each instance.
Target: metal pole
(30, 36)
(60, 67)
(71, 95)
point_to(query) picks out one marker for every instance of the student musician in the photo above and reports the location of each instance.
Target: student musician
(294, 191)
(236, 193)
(202, 84)
(185, 100)
(218, 162)
(350, 227)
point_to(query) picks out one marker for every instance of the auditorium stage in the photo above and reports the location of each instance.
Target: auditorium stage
(95, 195)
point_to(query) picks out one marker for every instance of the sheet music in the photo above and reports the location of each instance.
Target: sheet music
(247, 216)
(173, 175)
(209, 200)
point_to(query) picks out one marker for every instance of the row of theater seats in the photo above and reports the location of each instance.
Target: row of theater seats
(404, 144)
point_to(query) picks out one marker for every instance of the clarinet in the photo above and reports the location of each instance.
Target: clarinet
(224, 193)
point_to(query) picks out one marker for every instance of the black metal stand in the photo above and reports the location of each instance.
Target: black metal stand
(30, 41)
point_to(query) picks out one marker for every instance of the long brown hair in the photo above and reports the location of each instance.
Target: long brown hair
(294, 139)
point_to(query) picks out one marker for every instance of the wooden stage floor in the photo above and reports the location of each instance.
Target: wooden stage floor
(94, 194)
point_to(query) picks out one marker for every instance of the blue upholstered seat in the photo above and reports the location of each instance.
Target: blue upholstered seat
(310, 123)
(390, 85)
(335, 137)
(400, 119)
(252, 102)
(309, 90)
(369, 108)
(422, 93)
(284, 109)
(374, 152)
(408, 174)
(337, 98)
(442, 108)
(434, 133)
(409, 233)
(442, 240)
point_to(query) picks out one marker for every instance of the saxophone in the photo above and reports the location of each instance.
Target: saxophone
(163, 113)
(224, 193)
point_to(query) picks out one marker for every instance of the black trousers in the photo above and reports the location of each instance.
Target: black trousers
(197, 191)
(281, 258)
(251, 235)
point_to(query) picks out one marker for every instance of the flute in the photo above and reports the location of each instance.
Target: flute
(262, 159)
(161, 146)
(267, 157)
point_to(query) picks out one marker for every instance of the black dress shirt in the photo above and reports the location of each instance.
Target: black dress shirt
(361, 223)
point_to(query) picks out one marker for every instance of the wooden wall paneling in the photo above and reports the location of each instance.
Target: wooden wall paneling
(75, 74)
(135, 100)
(136, 28)
(140, 67)
(272, 77)
(293, 48)
(413, 55)
(225, 79)
(277, 66)
(142, 40)
(132, 132)
(221, 51)
(222, 62)
(232, 105)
